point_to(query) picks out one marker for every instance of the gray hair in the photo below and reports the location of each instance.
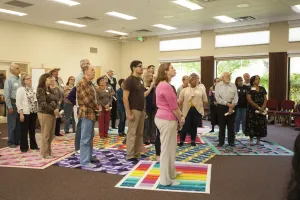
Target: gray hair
(223, 74)
(12, 66)
(23, 76)
(84, 61)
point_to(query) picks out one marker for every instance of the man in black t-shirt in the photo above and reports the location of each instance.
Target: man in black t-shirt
(134, 102)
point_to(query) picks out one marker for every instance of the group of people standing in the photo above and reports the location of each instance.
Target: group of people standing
(232, 104)
(154, 110)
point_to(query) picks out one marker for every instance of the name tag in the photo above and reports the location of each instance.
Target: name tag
(253, 88)
(112, 81)
(16, 84)
(213, 92)
(47, 93)
(142, 82)
(239, 90)
(106, 90)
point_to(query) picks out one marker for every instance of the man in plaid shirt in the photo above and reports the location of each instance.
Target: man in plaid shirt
(87, 101)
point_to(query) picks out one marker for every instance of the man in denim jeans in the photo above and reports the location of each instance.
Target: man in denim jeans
(13, 121)
(87, 101)
(83, 63)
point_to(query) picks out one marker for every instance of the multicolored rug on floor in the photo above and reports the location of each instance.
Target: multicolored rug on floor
(187, 153)
(110, 161)
(13, 157)
(243, 148)
(145, 175)
(101, 143)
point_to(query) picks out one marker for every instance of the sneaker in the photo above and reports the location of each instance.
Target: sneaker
(89, 165)
(94, 159)
(175, 183)
(177, 174)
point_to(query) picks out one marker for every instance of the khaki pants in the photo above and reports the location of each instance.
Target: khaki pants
(47, 123)
(168, 138)
(134, 140)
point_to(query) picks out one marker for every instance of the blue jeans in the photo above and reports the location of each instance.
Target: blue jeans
(86, 142)
(69, 115)
(78, 135)
(13, 122)
(122, 121)
(240, 117)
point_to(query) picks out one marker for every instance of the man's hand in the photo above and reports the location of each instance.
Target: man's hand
(22, 117)
(11, 111)
(130, 117)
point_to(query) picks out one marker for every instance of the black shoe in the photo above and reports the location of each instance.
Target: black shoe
(36, 148)
(193, 144)
(24, 150)
(211, 131)
(146, 143)
(67, 132)
(59, 135)
(12, 146)
(114, 127)
(180, 144)
(220, 145)
(232, 145)
(152, 142)
(122, 134)
(133, 160)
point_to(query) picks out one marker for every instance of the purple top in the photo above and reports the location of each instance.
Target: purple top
(166, 101)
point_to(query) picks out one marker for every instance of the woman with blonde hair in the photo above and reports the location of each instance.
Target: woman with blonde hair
(191, 101)
(166, 118)
(27, 108)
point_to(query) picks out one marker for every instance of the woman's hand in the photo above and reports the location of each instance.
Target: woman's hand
(182, 120)
(22, 117)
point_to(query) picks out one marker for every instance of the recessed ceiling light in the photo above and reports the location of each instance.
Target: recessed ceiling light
(121, 15)
(188, 4)
(116, 32)
(225, 19)
(12, 12)
(71, 24)
(68, 2)
(168, 17)
(243, 5)
(164, 26)
(296, 8)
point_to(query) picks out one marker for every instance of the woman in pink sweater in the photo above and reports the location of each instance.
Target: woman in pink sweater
(166, 121)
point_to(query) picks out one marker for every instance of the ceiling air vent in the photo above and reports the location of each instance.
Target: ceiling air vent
(143, 31)
(93, 50)
(87, 19)
(19, 4)
(245, 18)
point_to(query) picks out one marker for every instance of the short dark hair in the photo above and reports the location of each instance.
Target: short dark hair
(150, 66)
(134, 64)
(100, 78)
(121, 81)
(237, 80)
(252, 79)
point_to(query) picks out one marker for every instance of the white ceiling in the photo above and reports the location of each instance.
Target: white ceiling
(149, 12)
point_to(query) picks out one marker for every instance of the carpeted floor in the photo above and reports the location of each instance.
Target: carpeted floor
(233, 178)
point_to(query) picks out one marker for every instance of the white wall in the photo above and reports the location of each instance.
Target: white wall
(56, 48)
